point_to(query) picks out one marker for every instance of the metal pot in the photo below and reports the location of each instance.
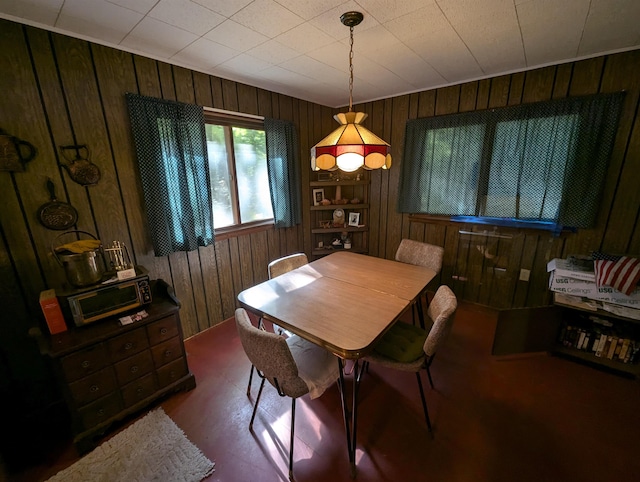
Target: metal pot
(81, 269)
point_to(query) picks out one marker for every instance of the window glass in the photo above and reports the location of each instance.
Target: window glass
(251, 169)
(221, 182)
(238, 170)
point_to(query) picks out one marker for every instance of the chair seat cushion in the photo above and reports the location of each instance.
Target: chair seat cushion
(403, 342)
(316, 366)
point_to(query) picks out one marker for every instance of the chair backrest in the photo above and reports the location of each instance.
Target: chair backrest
(421, 254)
(442, 311)
(270, 354)
(287, 263)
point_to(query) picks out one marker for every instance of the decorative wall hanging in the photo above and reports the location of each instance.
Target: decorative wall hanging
(14, 153)
(80, 169)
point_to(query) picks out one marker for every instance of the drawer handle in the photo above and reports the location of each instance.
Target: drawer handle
(85, 364)
(134, 369)
(163, 331)
(94, 388)
(100, 412)
(139, 390)
(167, 353)
(128, 346)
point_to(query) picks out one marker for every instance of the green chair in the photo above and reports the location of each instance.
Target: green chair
(397, 348)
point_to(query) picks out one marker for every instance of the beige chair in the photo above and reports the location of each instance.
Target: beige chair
(441, 312)
(275, 268)
(292, 365)
(420, 254)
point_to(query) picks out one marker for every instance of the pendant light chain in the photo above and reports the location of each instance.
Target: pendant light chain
(351, 70)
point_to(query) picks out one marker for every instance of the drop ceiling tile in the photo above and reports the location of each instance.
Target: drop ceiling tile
(447, 54)
(490, 30)
(336, 55)
(405, 63)
(373, 39)
(312, 68)
(423, 22)
(309, 9)
(378, 75)
(186, 15)
(157, 38)
(40, 11)
(97, 19)
(551, 31)
(236, 36)
(205, 54)
(282, 76)
(244, 63)
(140, 6)
(224, 7)
(329, 21)
(385, 10)
(267, 17)
(273, 52)
(611, 25)
(304, 38)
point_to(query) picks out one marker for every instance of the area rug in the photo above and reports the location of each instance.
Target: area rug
(153, 448)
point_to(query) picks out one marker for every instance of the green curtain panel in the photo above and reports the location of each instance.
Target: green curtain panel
(283, 165)
(542, 162)
(171, 149)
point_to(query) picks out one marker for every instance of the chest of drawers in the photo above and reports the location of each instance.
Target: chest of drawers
(107, 371)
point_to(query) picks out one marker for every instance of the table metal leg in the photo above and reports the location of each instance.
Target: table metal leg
(346, 413)
(350, 416)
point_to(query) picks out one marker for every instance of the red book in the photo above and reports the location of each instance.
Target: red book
(52, 312)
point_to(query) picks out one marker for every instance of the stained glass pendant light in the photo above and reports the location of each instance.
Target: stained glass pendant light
(350, 146)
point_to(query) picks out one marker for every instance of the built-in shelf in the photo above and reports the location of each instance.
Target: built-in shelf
(348, 229)
(331, 207)
(345, 190)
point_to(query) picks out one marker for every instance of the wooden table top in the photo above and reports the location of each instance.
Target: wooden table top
(343, 302)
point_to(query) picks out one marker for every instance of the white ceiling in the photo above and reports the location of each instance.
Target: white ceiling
(300, 48)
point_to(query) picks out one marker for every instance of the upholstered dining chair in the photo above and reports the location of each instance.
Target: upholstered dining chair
(292, 365)
(276, 268)
(408, 348)
(420, 254)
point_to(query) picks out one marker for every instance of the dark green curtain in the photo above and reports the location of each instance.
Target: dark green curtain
(171, 149)
(543, 162)
(283, 165)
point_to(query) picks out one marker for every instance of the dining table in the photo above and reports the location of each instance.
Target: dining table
(344, 302)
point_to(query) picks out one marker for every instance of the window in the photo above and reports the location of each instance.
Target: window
(238, 171)
(542, 164)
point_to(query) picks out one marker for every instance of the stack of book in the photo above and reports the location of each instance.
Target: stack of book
(600, 338)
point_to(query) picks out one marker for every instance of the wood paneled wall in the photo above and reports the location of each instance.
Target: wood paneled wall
(56, 90)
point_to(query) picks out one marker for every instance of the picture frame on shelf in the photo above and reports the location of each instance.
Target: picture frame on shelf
(318, 196)
(354, 219)
(324, 176)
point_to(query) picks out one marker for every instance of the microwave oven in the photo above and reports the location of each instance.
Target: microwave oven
(101, 301)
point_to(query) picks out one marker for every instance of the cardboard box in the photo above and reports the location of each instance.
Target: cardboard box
(52, 312)
(564, 269)
(588, 289)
